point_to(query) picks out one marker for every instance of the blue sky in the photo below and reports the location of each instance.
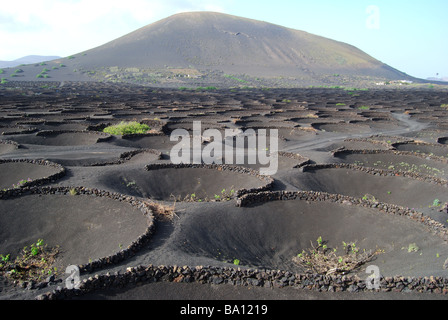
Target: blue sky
(410, 35)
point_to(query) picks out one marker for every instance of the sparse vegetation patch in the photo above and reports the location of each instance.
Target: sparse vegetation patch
(324, 260)
(35, 263)
(123, 128)
(364, 108)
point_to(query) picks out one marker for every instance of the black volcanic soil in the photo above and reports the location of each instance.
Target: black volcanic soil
(392, 154)
(403, 191)
(84, 227)
(170, 184)
(13, 173)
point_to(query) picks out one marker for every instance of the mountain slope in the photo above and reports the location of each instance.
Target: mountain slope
(207, 40)
(209, 46)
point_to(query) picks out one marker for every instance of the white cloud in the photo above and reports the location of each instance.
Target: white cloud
(64, 27)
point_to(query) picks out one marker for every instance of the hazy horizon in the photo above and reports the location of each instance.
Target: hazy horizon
(408, 36)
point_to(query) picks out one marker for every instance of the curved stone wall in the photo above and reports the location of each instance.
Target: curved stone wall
(44, 180)
(423, 177)
(124, 253)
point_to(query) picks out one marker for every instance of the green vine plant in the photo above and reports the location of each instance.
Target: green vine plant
(324, 260)
(224, 195)
(369, 197)
(20, 184)
(35, 263)
(436, 203)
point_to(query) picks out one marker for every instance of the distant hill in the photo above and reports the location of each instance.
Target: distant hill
(213, 48)
(26, 60)
(445, 79)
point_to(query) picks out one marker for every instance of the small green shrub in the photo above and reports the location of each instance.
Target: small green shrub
(436, 203)
(5, 258)
(123, 128)
(369, 197)
(413, 247)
